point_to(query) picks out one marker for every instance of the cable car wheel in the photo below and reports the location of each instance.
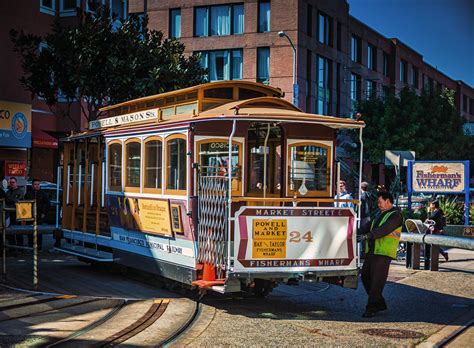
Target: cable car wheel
(262, 287)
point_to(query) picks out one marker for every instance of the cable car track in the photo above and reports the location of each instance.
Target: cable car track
(151, 316)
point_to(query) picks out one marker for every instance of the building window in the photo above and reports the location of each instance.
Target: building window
(119, 7)
(219, 20)
(371, 89)
(414, 77)
(339, 36)
(324, 29)
(176, 163)
(324, 91)
(48, 6)
(355, 49)
(403, 71)
(308, 81)
(309, 23)
(175, 23)
(115, 166)
(355, 92)
(68, 7)
(132, 163)
(385, 64)
(464, 103)
(471, 106)
(153, 163)
(372, 57)
(263, 16)
(263, 65)
(223, 64)
(309, 169)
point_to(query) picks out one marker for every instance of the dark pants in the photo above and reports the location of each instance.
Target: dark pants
(374, 276)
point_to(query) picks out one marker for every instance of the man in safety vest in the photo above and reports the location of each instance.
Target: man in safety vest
(381, 238)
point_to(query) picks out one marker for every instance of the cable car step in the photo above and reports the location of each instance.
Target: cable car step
(88, 253)
(208, 283)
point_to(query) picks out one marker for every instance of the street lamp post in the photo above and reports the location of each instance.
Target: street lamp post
(295, 83)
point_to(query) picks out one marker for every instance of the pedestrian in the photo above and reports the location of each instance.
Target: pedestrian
(436, 215)
(366, 203)
(381, 238)
(343, 194)
(42, 207)
(13, 195)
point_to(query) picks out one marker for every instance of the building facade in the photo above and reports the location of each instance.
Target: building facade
(28, 127)
(339, 59)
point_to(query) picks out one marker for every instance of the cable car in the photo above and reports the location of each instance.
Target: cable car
(223, 186)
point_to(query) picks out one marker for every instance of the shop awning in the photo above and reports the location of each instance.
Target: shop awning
(42, 139)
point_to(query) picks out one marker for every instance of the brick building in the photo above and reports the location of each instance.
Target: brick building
(339, 58)
(28, 146)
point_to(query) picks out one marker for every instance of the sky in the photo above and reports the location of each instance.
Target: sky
(442, 31)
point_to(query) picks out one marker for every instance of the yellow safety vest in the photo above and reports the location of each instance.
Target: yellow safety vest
(388, 244)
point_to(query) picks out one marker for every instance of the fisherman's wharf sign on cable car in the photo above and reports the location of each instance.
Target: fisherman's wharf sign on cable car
(438, 177)
(301, 239)
(124, 119)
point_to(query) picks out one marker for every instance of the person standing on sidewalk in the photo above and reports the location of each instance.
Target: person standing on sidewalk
(13, 196)
(437, 215)
(381, 238)
(42, 207)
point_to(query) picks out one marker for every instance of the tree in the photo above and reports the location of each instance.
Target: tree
(103, 60)
(428, 124)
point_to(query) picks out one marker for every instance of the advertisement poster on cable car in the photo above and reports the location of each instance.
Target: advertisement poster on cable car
(299, 239)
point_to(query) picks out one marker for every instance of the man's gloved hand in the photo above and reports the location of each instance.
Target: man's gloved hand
(361, 238)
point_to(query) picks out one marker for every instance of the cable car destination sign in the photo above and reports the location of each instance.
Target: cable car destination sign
(296, 238)
(140, 116)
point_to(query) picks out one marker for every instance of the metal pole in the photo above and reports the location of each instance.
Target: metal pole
(35, 248)
(58, 181)
(4, 253)
(229, 199)
(265, 162)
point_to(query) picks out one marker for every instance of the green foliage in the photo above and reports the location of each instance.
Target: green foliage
(453, 210)
(419, 214)
(428, 124)
(103, 60)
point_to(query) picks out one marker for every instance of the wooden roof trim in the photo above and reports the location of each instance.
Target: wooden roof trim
(232, 83)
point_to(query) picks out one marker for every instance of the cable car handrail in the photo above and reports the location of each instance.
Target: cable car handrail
(297, 200)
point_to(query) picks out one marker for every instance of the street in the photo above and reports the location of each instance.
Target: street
(421, 304)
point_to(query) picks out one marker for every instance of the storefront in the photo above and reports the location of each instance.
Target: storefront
(15, 140)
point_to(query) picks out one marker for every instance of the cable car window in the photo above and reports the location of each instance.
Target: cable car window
(264, 154)
(176, 164)
(153, 163)
(133, 155)
(115, 167)
(308, 169)
(245, 93)
(214, 160)
(219, 93)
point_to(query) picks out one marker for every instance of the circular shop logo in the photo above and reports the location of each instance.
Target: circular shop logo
(19, 125)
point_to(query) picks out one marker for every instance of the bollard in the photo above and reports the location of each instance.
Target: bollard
(35, 249)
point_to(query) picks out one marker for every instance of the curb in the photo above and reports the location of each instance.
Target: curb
(443, 336)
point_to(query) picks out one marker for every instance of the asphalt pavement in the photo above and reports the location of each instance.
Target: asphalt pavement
(424, 307)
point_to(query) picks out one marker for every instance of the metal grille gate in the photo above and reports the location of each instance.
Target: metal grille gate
(213, 221)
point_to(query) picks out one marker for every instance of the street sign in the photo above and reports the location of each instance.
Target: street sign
(24, 211)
